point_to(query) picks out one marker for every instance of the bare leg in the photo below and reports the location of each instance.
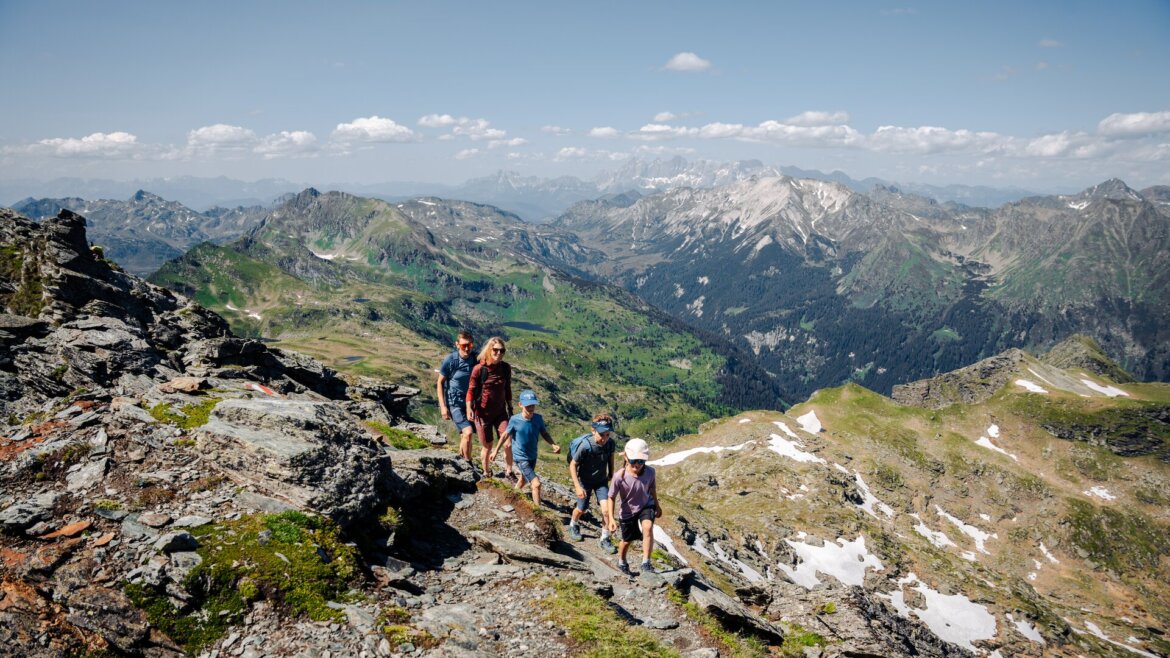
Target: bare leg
(535, 491)
(465, 442)
(647, 539)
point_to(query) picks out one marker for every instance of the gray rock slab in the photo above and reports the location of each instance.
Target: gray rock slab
(312, 454)
(88, 475)
(515, 551)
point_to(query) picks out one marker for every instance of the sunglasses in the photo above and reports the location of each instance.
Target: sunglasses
(465, 346)
(638, 462)
(498, 349)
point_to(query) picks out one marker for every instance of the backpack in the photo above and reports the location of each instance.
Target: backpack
(574, 446)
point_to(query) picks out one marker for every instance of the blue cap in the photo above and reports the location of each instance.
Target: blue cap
(527, 397)
(601, 427)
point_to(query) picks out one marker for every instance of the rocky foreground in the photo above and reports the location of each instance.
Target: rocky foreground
(169, 489)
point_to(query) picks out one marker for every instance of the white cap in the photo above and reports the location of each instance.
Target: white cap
(637, 449)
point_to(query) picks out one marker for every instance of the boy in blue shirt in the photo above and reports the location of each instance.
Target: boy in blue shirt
(522, 432)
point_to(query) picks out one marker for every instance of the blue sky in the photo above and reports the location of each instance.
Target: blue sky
(1050, 96)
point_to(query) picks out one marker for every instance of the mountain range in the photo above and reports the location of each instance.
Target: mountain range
(145, 231)
(825, 284)
(534, 198)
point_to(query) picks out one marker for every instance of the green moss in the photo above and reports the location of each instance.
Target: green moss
(829, 608)
(399, 439)
(734, 644)
(188, 417)
(58, 373)
(296, 561)
(28, 287)
(107, 504)
(1124, 542)
(594, 625)
(798, 639)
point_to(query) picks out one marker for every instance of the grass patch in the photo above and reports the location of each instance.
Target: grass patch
(189, 416)
(399, 439)
(595, 626)
(1122, 541)
(734, 644)
(295, 561)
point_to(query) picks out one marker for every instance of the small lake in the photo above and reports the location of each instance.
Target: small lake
(528, 326)
(352, 359)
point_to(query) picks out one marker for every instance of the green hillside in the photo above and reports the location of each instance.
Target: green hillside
(374, 288)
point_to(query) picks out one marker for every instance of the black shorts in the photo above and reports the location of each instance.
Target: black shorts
(632, 527)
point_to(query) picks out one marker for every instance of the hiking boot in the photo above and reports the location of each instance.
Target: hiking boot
(575, 533)
(607, 545)
(646, 568)
(624, 567)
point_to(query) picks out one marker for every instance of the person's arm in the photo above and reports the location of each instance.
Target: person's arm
(473, 391)
(573, 466)
(654, 496)
(508, 389)
(548, 439)
(504, 438)
(441, 392)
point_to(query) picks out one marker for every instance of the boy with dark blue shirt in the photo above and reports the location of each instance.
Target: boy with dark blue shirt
(522, 432)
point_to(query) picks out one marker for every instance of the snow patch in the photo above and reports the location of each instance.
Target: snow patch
(810, 423)
(1100, 492)
(784, 428)
(986, 443)
(871, 500)
(1096, 630)
(1031, 386)
(231, 308)
(1111, 391)
(971, 531)
(664, 539)
(323, 256)
(791, 449)
(744, 420)
(255, 315)
(427, 203)
(703, 280)
(1048, 554)
(952, 617)
(1027, 630)
(676, 457)
(846, 561)
(936, 537)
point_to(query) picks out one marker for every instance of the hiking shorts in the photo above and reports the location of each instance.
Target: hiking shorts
(486, 430)
(527, 469)
(458, 417)
(632, 527)
(600, 491)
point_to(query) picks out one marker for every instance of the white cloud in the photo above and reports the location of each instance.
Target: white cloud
(932, 139)
(1050, 43)
(604, 132)
(777, 131)
(689, 62)
(555, 130)
(721, 130)
(1136, 124)
(220, 135)
(373, 129)
(467, 153)
(438, 120)
(96, 145)
(287, 143)
(571, 153)
(663, 117)
(477, 129)
(515, 141)
(814, 118)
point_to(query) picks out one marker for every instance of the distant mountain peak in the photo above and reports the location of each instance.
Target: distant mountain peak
(1114, 188)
